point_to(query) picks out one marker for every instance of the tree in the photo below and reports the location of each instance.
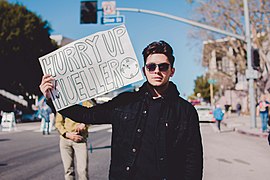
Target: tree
(24, 37)
(229, 16)
(203, 87)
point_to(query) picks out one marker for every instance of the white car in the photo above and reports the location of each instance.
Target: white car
(205, 113)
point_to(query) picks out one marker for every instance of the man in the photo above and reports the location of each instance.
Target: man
(73, 143)
(156, 133)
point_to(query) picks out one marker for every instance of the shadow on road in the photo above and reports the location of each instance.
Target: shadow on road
(4, 140)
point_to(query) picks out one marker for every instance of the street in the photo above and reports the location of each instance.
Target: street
(27, 154)
(230, 155)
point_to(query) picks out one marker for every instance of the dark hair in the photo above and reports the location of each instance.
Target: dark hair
(160, 47)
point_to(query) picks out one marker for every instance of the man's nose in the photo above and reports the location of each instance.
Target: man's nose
(156, 70)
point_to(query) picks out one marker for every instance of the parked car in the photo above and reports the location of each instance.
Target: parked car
(205, 113)
(31, 117)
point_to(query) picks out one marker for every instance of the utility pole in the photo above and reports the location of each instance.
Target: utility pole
(250, 73)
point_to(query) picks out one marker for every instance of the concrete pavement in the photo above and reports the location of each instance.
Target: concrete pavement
(242, 124)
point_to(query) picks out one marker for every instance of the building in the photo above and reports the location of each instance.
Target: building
(221, 60)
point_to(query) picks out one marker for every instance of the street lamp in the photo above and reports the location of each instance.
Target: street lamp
(250, 72)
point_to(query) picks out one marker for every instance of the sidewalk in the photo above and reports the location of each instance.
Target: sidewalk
(242, 124)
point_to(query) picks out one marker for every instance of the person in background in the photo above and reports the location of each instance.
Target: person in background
(1, 115)
(238, 108)
(269, 138)
(17, 113)
(227, 109)
(45, 112)
(155, 132)
(262, 111)
(218, 115)
(73, 143)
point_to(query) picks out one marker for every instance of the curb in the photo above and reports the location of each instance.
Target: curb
(250, 133)
(240, 131)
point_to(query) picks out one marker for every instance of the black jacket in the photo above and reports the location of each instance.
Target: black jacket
(179, 140)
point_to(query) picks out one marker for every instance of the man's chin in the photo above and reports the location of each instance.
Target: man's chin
(156, 84)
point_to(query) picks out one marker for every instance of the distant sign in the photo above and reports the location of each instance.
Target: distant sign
(91, 66)
(113, 20)
(109, 7)
(212, 81)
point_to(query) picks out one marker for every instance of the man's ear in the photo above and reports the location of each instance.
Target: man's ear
(172, 73)
(143, 69)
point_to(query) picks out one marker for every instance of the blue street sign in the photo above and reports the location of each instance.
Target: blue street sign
(112, 20)
(212, 81)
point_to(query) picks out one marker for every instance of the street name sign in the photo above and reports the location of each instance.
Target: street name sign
(113, 20)
(212, 81)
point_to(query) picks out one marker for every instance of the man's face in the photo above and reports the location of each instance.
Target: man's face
(158, 70)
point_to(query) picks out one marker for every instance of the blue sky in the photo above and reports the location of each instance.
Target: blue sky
(64, 18)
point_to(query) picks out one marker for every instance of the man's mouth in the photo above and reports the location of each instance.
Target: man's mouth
(157, 78)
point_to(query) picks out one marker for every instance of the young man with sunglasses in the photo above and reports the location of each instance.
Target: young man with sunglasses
(156, 133)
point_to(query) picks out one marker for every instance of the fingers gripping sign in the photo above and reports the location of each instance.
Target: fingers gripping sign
(46, 85)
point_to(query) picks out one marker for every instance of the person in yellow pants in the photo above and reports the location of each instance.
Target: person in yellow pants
(73, 143)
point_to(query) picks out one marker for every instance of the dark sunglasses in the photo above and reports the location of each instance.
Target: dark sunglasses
(163, 67)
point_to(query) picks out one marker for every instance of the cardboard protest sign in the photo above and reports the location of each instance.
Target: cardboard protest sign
(91, 66)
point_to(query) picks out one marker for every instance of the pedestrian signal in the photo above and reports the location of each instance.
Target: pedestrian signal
(88, 12)
(255, 56)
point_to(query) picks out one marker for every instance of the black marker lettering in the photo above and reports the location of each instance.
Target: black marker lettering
(111, 49)
(107, 76)
(119, 32)
(117, 78)
(93, 44)
(71, 60)
(83, 55)
(79, 86)
(48, 66)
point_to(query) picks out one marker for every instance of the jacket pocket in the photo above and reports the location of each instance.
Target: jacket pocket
(125, 126)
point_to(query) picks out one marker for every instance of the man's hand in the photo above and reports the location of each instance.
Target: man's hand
(46, 85)
(74, 136)
(80, 127)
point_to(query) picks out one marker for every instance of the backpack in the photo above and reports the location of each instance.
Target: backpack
(218, 114)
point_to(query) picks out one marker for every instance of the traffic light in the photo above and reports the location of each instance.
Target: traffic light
(255, 56)
(88, 12)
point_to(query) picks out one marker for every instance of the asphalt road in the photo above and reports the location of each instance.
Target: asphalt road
(27, 154)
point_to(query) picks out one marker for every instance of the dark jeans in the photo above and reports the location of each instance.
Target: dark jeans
(218, 124)
(269, 138)
(264, 118)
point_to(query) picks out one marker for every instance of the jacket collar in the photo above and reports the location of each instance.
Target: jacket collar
(171, 92)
